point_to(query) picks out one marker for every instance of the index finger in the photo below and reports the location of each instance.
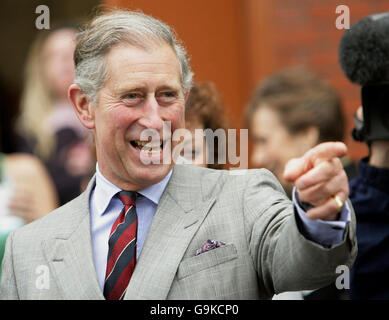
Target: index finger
(325, 151)
(322, 152)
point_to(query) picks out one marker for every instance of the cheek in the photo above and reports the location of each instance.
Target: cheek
(281, 146)
(118, 118)
(176, 115)
(109, 127)
(287, 151)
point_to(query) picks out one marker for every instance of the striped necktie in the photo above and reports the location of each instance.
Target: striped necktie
(121, 249)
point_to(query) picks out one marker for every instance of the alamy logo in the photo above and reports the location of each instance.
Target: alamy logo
(342, 281)
(343, 20)
(227, 146)
(43, 20)
(42, 281)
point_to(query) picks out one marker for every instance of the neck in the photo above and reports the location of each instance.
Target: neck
(379, 154)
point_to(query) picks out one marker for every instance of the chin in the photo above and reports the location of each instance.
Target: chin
(152, 174)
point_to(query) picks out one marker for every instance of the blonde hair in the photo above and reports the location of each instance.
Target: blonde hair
(37, 98)
(36, 101)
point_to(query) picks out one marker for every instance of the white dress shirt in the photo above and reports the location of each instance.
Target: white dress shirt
(105, 208)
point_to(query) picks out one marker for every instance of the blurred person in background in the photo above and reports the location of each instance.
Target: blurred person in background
(48, 123)
(364, 60)
(204, 109)
(290, 112)
(26, 193)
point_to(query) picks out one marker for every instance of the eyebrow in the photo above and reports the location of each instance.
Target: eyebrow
(120, 90)
(169, 87)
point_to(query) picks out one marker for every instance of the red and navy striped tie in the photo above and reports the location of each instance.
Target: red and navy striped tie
(121, 249)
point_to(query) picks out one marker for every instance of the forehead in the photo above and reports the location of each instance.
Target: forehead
(127, 65)
(266, 121)
(265, 115)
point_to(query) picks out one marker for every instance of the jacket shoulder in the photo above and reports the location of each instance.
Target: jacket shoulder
(56, 223)
(213, 180)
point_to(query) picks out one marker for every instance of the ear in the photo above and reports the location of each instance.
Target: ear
(85, 109)
(360, 113)
(186, 95)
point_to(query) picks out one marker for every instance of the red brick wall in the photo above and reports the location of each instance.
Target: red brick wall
(304, 32)
(235, 43)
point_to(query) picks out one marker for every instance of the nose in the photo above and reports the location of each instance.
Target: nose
(151, 118)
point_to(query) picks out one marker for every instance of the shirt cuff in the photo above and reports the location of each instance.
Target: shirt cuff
(326, 233)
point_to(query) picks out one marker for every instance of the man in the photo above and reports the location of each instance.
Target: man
(369, 193)
(132, 76)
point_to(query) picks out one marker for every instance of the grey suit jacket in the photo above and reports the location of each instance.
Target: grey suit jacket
(265, 253)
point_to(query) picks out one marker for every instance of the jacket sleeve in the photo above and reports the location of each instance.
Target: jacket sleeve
(8, 288)
(284, 258)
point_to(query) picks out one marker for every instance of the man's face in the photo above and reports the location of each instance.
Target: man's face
(142, 92)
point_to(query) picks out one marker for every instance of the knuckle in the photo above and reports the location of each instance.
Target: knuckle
(338, 164)
(302, 196)
(326, 191)
(328, 168)
(341, 179)
(343, 174)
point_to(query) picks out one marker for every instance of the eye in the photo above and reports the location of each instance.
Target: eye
(167, 96)
(132, 98)
(260, 140)
(133, 95)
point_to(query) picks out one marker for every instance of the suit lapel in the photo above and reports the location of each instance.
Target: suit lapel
(180, 213)
(69, 253)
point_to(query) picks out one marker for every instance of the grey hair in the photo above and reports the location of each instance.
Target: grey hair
(110, 29)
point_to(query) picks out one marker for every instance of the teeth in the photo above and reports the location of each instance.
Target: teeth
(151, 144)
(151, 152)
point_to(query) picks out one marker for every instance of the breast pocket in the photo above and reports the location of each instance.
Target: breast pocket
(206, 260)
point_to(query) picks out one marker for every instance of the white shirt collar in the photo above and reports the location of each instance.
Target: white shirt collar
(105, 190)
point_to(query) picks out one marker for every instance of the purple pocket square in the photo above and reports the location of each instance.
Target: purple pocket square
(209, 245)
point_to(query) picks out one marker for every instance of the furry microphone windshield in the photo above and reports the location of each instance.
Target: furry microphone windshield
(364, 50)
(364, 59)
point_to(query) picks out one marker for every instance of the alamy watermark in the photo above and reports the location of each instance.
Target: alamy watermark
(43, 20)
(180, 143)
(343, 20)
(343, 280)
(42, 281)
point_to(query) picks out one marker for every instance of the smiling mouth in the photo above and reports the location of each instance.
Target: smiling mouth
(148, 147)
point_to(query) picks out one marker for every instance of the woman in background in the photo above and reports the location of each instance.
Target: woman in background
(290, 112)
(204, 109)
(48, 122)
